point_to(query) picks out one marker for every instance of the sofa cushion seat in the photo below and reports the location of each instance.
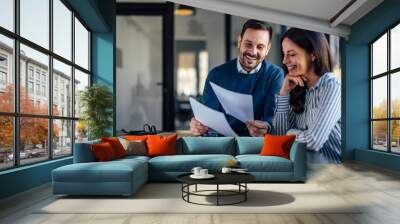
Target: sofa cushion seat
(257, 163)
(131, 158)
(112, 171)
(184, 163)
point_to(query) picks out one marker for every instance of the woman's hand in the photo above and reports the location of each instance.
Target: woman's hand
(290, 82)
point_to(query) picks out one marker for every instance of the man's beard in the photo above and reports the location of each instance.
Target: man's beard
(257, 61)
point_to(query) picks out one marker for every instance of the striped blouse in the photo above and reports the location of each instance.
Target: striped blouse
(319, 125)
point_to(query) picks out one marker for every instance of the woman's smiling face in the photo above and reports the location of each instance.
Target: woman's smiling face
(296, 59)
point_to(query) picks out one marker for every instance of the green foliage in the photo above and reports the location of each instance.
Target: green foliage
(96, 102)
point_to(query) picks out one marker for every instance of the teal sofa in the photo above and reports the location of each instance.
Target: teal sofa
(125, 176)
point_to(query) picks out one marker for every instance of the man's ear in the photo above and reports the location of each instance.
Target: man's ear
(239, 41)
(268, 48)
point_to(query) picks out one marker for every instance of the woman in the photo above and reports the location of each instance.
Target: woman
(309, 102)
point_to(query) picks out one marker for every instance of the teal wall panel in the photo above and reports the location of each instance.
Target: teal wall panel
(103, 52)
(24, 178)
(89, 11)
(356, 84)
(379, 159)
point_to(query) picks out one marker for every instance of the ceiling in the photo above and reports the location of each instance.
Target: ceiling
(328, 16)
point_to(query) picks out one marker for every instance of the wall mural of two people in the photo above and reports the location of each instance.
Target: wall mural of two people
(303, 98)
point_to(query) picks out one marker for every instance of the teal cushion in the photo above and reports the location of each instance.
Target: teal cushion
(207, 145)
(257, 163)
(185, 163)
(249, 145)
(83, 152)
(111, 171)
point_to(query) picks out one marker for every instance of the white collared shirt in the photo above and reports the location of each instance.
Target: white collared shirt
(241, 69)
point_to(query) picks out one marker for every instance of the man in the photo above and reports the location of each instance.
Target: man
(248, 74)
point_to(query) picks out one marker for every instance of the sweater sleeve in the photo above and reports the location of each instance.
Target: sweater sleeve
(327, 115)
(270, 104)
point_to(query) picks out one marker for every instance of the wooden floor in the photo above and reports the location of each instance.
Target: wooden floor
(378, 188)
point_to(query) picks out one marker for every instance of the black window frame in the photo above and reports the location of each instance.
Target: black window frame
(16, 115)
(388, 74)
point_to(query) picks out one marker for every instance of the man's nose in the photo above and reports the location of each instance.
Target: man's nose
(254, 50)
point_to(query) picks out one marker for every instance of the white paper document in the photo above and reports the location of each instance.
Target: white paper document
(211, 118)
(238, 105)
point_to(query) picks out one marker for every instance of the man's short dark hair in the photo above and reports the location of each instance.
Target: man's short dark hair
(257, 25)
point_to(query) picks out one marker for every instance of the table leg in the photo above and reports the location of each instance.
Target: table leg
(188, 189)
(245, 193)
(182, 190)
(217, 194)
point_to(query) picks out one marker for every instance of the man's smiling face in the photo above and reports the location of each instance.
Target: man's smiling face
(253, 47)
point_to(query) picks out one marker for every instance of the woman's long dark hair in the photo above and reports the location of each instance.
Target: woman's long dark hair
(313, 43)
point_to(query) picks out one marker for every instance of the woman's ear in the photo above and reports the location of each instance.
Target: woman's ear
(313, 57)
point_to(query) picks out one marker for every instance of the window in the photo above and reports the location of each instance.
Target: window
(3, 61)
(62, 140)
(30, 87)
(3, 72)
(81, 45)
(6, 142)
(81, 81)
(43, 90)
(385, 96)
(3, 78)
(30, 72)
(62, 74)
(7, 14)
(7, 84)
(38, 89)
(62, 29)
(37, 74)
(34, 21)
(45, 131)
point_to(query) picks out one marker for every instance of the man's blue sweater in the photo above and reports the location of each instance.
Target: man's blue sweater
(263, 85)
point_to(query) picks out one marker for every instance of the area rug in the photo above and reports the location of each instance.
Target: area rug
(167, 198)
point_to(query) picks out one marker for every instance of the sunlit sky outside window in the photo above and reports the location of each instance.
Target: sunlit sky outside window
(395, 47)
(379, 91)
(35, 27)
(6, 14)
(379, 58)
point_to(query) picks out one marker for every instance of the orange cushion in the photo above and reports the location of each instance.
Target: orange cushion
(103, 152)
(116, 145)
(135, 137)
(161, 145)
(277, 145)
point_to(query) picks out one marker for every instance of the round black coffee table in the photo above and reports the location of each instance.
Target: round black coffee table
(238, 179)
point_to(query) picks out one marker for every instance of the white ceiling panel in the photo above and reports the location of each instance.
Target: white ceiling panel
(321, 9)
(327, 16)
